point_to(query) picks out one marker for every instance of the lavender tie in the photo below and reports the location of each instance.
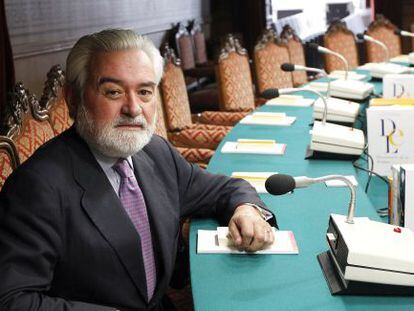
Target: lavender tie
(133, 202)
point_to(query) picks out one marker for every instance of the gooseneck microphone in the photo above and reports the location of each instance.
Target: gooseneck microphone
(324, 50)
(403, 33)
(288, 67)
(365, 37)
(273, 93)
(279, 184)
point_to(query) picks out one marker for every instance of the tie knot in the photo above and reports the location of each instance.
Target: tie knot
(123, 169)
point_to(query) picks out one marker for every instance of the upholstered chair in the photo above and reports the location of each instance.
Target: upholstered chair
(199, 156)
(340, 39)
(182, 131)
(234, 77)
(383, 30)
(296, 54)
(269, 54)
(9, 159)
(54, 102)
(26, 123)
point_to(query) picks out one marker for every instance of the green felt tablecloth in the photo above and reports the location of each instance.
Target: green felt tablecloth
(286, 282)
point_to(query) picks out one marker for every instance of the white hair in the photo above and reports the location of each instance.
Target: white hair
(109, 40)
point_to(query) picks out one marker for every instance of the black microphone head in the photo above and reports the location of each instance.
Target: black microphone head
(287, 67)
(360, 36)
(270, 93)
(397, 32)
(278, 184)
(313, 45)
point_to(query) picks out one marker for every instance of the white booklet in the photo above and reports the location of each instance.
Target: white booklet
(256, 179)
(218, 242)
(290, 100)
(268, 118)
(254, 146)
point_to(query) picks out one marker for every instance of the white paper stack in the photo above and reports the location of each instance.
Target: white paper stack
(268, 118)
(254, 146)
(340, 74)
(217, 242)
(290, 100)
(256, 179)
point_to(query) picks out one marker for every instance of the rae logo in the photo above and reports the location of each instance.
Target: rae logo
(399, 91)
(393, 136)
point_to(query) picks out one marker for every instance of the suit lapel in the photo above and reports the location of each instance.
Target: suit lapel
(105, 210)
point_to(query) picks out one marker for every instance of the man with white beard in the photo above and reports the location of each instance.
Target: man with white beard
(91, 220)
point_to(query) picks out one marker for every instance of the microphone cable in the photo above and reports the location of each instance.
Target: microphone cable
(382, 212)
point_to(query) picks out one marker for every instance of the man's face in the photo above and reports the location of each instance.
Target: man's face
(118, 110)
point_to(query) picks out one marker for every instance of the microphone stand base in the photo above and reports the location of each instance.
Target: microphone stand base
(338, 287)
(320, 155)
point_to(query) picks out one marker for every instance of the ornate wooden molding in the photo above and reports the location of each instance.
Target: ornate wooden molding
(230, 45)
(8, 146)
(288, 33)
(381, 21)
(337, 27)
(268, 36)
(53, 86)
(169, 55)
(21, 104)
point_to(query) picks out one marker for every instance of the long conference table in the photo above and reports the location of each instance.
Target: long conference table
(286, 282)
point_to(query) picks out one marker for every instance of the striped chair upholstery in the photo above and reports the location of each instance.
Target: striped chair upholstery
(269, 54)
(340, 39)
(54, 101)
(383, 30)
(234, 77)
(182, 131)
(9, 159)
(26, 123)
(191, 153)
(296, 54)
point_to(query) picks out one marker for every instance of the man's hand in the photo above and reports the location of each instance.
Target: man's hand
(249, 230)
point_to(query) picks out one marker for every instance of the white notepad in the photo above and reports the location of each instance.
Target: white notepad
(340, 74)
(236, 147)
(256, 179)
(268, 118)
(208, 243)
(290, 100)
(340, 183)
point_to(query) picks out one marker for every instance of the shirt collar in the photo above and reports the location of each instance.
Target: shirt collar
(108, 162)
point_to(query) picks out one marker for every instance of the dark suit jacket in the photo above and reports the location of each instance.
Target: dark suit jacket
(67, 244)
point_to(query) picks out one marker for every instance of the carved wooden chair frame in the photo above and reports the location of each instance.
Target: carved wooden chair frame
(288, 33)
(53, 85)
(231, 45)
(379, 22)
(21, 106)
